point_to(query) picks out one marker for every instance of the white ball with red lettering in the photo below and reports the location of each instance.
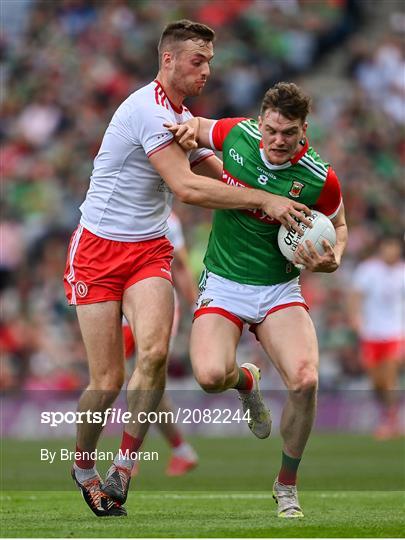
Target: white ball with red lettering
(322, 229)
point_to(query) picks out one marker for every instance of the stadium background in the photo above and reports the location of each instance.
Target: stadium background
(66, 66)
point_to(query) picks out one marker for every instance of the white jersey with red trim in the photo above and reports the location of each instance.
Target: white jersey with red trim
(127, 199)
(383, 307)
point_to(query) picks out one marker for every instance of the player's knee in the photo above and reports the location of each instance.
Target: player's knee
(305, 380)
(108, 382)
(152, 360)
(211, 380)
(151, 370)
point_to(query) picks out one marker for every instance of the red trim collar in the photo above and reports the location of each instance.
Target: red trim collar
(174, 107)
(300, 153)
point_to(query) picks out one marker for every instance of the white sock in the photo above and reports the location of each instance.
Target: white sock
(121, 461)
(84, 474)
(185, 451)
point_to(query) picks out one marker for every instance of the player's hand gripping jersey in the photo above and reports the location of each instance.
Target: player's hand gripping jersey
(127, 200)
(243, 243)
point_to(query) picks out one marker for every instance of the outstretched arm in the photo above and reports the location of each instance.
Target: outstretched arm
(211, 166)
(173, 166)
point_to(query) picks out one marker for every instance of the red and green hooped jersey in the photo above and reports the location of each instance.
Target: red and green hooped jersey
(243, 243)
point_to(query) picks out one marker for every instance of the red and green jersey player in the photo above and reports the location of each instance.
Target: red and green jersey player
(247, 279)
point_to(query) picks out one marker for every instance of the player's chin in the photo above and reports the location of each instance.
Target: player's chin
(198, 88)
(196, 91)
(278, 157)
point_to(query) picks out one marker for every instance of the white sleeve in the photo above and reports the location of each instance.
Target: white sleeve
(198, 155)
(147, 127)
(175, 232)
(210, 136)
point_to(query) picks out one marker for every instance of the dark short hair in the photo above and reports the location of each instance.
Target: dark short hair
(288, 99)
(183, 30)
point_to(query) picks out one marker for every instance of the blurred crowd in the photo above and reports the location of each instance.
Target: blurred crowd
(68, 64)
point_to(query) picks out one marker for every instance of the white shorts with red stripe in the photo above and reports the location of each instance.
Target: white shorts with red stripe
(241, 303)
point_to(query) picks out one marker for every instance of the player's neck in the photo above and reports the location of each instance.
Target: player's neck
(174, 97)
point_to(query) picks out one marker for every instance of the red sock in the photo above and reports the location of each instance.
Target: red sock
(83, 462)
(288, 471)
(129, 443)
(176, 440)
(245, 382)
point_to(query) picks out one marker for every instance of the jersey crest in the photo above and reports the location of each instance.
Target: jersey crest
(296, 188)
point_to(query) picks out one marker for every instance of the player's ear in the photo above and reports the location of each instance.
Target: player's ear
(304, 127)
(259, 121)
(167, 58)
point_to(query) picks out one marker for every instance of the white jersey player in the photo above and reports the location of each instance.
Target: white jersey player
(377, 314)
(382, 287)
